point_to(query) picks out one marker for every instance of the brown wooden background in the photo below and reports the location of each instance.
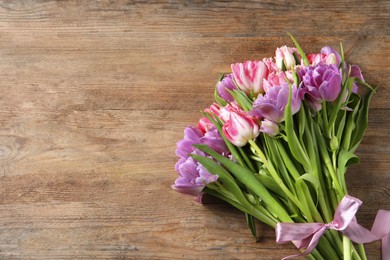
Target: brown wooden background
(95, 94)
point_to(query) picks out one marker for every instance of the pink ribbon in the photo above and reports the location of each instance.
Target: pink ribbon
(307, 235)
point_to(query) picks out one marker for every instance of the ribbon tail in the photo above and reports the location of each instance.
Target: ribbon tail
(386, 247)
(359, 234)
(381, 227)
(380, 230)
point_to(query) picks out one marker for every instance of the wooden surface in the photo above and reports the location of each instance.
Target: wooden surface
(95, 94)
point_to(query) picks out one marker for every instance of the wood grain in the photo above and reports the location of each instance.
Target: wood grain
(95, 94)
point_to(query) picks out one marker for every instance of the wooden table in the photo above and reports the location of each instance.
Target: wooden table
(95, 94)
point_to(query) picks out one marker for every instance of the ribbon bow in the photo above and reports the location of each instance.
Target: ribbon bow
(307, 235)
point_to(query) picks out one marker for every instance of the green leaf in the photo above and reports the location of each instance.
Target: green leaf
(254, 211)
(223, 176)
(301, 52)
(304, 203)
(345, 159)
(242, 99)
(301, 121)
(342, 63)
(283, 65)
(311, 179)
(277, 160)
(340, 123)
(270, 183)
(362, 122)
(251, 225)
(297, 60)
(366, 85)
(345, 89)
(245, 176)
(246, 159)
(231, 192)
(351, 121)
(306, 196)
(295, 147)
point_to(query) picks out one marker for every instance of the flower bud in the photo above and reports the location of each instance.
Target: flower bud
(269, 127)
(224, 86)
(334, 144)
(239, 129)
(285, 58)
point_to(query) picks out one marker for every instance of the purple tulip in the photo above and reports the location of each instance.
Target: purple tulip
(193, 177)
(268, 127)
(356, 73)
(320, 83)
(215, 141)
(331, 55)
(328, 56)
(224, 85)
(193, 135)
(185, 147)
(272, 105)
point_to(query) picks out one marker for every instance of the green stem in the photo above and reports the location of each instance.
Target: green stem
(362, 252)
(355, 254)
(310, 257)
(326, 249)
(328, 163)
(246, 177)
(246, 159)
(273, 173)
(250, 209)
(317, 255)
(346, 248)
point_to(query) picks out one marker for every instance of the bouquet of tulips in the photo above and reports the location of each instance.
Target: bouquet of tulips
(276, 145)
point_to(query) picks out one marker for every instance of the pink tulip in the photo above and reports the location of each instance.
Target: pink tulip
(224, 112)
(239, 129)
(285, 55)
(274, 79)
(271, 65)
(249, 76)
(204, 123)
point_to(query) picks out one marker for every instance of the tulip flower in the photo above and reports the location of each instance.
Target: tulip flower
(193, 177)
(239, 129)
(331, 55)
(276, 78)
(224, 112)
(272, 105)
(185, 147)
(269, 127)
(224, 86)
(320, 83)
(204, 123)
(193, 135)
(328, 56)
(285, 56)
(215, 141)
(249, 76)
(356, 73)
